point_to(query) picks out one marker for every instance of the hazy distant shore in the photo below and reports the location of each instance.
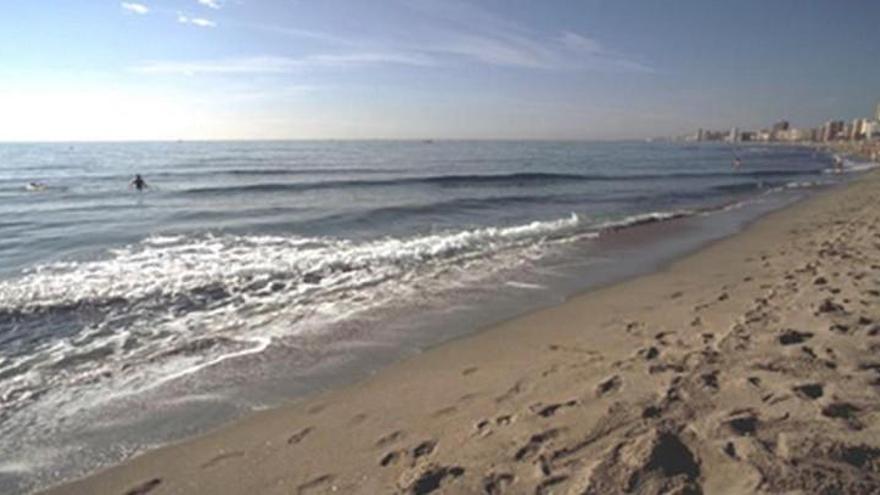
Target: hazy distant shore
(748, 367)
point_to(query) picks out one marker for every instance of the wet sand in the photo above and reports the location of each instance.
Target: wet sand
(749, 367)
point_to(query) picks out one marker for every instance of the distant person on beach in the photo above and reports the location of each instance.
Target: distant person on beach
(737, 163)
(838, 164)
(138, 182)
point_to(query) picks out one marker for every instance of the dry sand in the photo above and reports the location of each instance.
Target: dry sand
(749, 367)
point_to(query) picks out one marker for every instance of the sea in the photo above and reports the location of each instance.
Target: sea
(251, 274)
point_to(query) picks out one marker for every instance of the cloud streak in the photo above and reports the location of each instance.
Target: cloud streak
(280, 65)
(454, 32)
(135, 8)
(196, 21)
(446, 33)
(213, 4)
(468, 32)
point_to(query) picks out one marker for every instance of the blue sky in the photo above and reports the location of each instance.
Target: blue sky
(303, 69)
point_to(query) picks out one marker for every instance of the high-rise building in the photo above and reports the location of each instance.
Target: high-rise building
(782, 125)
(734, 135)
(779, 129)
(877, 113)
(831, 130)
(861, 129)
(872, 129)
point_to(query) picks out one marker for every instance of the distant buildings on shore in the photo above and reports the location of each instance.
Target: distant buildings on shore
(861, 129)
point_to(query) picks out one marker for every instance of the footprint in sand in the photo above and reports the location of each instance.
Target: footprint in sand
(319, 484)
(660, 337)
(791, 337)
(743, 423)
(664, 367)
(648, 353)
(497, 483)
(839, 328)
(145, 487)
(433, 478)
(872, 367)
(608, 386)
(655, 462)
(222, 457)
(390, 458)
(843, 411)
(484, 427)
(829, 306)
(299, 436)
(546, 485)
(390, 438)
(425, 448)
(811, 391)
(552, 409)
(710, 380)
(534, 444)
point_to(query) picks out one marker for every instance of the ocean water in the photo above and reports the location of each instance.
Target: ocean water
(250, 273)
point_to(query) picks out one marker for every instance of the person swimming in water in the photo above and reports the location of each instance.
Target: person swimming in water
(138, 182)
(36, 186)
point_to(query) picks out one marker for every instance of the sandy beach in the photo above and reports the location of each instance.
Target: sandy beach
(748, 367)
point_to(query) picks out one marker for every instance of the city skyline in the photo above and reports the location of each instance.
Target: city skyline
(833, 129)
(412, 69)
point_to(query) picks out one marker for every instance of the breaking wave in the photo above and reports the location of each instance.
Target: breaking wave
(477, 180)
(170, 305)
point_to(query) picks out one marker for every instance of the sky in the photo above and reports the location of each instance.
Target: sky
(442, 69)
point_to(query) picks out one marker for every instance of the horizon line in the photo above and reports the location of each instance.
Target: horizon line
(268, 140)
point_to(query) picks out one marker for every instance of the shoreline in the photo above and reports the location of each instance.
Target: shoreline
(498, 401)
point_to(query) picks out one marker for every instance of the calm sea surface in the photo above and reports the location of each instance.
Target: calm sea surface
(250, 273)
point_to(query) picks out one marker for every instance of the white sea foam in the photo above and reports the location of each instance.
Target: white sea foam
(643, 218)
(850, 166)
(163, 309)
(169, 266)
(525, 285)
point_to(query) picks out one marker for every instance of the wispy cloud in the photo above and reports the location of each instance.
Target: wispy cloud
(581, 43)
(214, 4)
(441, 33)
(294, 32)
(453, 32)
(468, 31)
(196, 21)
(202, 22)
(280, 65)
(136, 8)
